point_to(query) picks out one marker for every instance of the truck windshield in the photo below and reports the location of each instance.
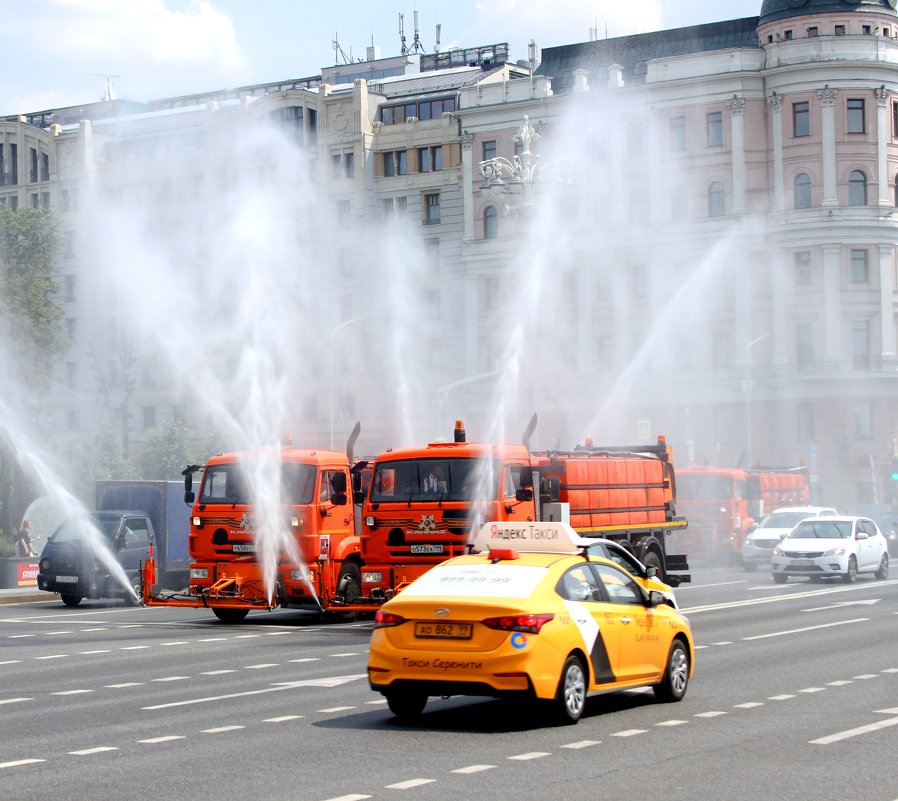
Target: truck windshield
(434, 479)
(704, 488)
(77, 528)
(227, 483)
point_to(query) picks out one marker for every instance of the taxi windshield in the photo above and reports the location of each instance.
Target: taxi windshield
(459, 479)
(227, 483)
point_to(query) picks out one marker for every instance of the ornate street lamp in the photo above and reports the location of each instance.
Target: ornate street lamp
(513, 180)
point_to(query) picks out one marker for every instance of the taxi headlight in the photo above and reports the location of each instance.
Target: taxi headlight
(199, 572)
(840, 551)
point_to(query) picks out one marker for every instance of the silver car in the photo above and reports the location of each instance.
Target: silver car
(757, 548)
(834, 546)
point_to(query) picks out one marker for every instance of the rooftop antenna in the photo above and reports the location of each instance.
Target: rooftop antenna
(338, 52)
(402, 49)
(417, 47)
(109, 94)
(436, 48)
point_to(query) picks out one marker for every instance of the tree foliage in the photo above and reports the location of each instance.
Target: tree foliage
(165, 452)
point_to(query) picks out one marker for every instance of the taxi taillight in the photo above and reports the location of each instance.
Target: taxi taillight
(501, 554)
(383, 620)
(530, 624)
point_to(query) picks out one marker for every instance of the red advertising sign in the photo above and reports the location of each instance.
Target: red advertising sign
(28, 574)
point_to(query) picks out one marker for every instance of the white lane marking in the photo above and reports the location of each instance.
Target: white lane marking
(260, 667)
(628, 732)
(582, 744)
(529, 755)
(867, 676)
(71, 692)
(839, 683)
(11, 662)
(176, 642)
(134, 647)
(408, 784)
(838, 604)
(749, 705)
(166, 739)
(48, 633)
(718, 584)
(377, 702)
(473, 769)
(131, 626)
(891, 670)
(52, 656)
(20, 636)
(221, 729)
(351, 653)
(103, 628)
(217, 672)
(306, 659)
(844, 735)
(353, 797)
(101, 651)
(722, 643)
(807, 628)
(778, 598)
(124, 684)
(20, 762)
(810, 690)
(714, 713)
(98, 750)
(212, 639)
(700, 647)
(172, 678)
(13, 700)
(336, 709)
(246, 636)
(282, 718)
(330, 682)
(276, 633)
(783, 697)
(673, 722)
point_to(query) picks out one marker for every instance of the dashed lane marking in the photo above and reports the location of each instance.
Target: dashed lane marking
(20, 762)
(124, 684)
(99, 629)
(14, 700)
(172, 678)
(100, 651)
(71, 692)
(176, 642)
(783, 697)
(408, 784)
(806, 628)
(839, 683)
(811, 690)
(166, 739)
(212, 639)
(50, 633)
(306, 659)
(748, 705)
(629, 732)
(867, 676)
(473, 769)
(581, 744)
(52, 656)
(725, 642)
(337, 709)
(98, 750)
(529, 755)
(20, 636)
(11, 662)
(282, 718)
(671, 722)
(351, 653)
(714, 713)
(134, 647)
(353, 797)
(217, 672)
(261, 667)
(221, 729)
(246, 636)
(376, 702)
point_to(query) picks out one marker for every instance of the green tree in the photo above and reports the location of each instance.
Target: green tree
(31, 336)
(165, 452)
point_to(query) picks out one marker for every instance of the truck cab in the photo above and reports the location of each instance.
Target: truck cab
(97, 555)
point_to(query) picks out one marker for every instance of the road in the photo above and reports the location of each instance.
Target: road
(795, 697)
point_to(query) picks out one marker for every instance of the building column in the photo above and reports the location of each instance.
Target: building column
(887, 303)
(828, 130)
(779, 282)
(779, 195)
(832, 305)
(467, 171)
(882, 139)
(737, 130)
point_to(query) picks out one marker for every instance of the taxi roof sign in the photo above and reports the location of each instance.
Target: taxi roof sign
(529, 536)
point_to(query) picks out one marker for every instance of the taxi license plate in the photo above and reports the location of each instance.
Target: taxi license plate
(243, 548)
(802, 562)
(67, 579)
(427, 548)
(444, 631)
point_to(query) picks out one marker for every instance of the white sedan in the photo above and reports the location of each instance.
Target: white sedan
(831, 546)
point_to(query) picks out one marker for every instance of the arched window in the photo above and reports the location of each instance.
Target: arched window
(857, 188)
(490, 222)
(802, 191)
(716, 200)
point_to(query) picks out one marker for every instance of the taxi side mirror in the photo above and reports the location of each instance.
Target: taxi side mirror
(651, 571)
(656, 598)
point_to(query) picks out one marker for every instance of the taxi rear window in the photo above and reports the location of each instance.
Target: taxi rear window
(491, 581)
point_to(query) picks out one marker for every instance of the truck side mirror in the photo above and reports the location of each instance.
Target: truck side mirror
(524, 494)
(189, 497)
(525, 479)
(358, 497)
(338, 498)
(338, 482)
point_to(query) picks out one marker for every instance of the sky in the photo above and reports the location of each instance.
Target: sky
(58, 53)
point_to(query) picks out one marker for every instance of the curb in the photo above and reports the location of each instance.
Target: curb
(25, 596)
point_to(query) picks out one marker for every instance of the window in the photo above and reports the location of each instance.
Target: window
(69, 286)
(860, 345)
(291, 118)
(715, 128)
(855, 120)
(32, 173)
(336, 166)
(802, 191)
(678, 133)
(787, 35)
(716, 200)
(805, 422)
(840, 30)
(857, 189)
(579, 584)
(813, 31)
(866, 29)
(619, 586)
(489, 150)
(71, 329)
(801, 119)
(45, 167)
(432, 208)
(430, 159)
(863, 420)
(349, 165)
(803, 267)
(804, 342)
(859, 267)
(149, 417)
(490, 222)
(422, 110)
(395, 163)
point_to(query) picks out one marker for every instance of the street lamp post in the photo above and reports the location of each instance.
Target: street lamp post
(748, 388)
(331, 363)
(502, 177)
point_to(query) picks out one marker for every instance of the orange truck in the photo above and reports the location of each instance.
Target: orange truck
(424, 503)
(723, 503)
(302, 558)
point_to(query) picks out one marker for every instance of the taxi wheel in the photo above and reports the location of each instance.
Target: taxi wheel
(851, 574)
(883, 572)
(70, 600)
(570, 699)
(676, 674)
(406, 705)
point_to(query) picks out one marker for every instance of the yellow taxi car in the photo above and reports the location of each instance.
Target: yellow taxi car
(532, 615)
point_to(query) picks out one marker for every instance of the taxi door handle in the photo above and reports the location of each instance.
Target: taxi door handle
(626, 620)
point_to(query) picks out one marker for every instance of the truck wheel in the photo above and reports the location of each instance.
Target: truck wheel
(676, 674)
(229, 615)
(570, 699)
(652, 560)
(406, 704)
(349, 582)
(70, 600)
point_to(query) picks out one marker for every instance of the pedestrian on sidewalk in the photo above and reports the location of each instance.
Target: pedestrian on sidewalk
(23, 543)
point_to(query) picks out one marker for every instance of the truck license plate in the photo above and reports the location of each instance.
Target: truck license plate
(444, 631)
(243, 547)
(427, 548)
(67, 579)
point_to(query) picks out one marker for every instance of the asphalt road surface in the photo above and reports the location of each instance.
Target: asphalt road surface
(795, 697)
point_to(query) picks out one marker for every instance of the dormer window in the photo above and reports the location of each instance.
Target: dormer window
(866, 30)
(813, 31)
(787, 35)
(840, 30)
